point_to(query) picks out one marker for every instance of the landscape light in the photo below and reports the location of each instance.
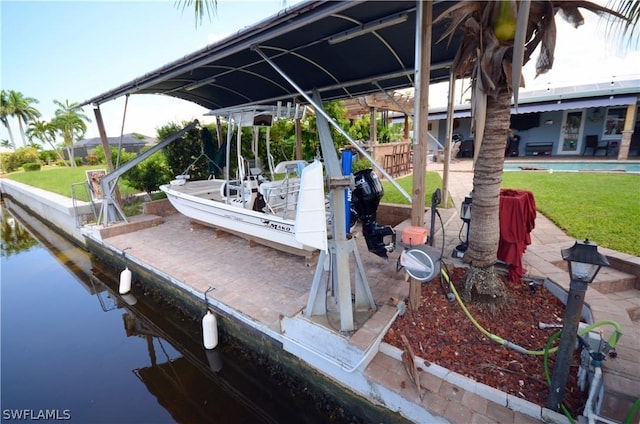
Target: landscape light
(584, 263)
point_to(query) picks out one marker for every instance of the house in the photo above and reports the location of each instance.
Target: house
(132, 142)
(559, 121)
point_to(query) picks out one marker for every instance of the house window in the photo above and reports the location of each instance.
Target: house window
(614, 123)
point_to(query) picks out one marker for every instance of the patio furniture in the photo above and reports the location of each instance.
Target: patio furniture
(538, 149)
(591, 142)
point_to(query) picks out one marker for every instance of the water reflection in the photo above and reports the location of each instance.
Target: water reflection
(106, 358)
(15, 238)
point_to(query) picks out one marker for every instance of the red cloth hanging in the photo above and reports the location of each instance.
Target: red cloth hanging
(517, 220)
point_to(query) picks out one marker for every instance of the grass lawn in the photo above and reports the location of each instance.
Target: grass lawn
(392, 195)
(602, 207)
(58, 180)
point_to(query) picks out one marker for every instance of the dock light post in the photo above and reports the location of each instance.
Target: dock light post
(584, 263)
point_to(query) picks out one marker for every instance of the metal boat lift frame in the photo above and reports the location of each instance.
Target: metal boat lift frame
(110, 211)
(341, 245)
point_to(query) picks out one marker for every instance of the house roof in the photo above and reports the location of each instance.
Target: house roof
(127, 140)
(342, 49)
(615, 93)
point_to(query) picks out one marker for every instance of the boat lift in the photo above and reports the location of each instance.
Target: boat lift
(341, 245)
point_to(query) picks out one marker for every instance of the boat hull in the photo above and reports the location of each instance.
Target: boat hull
(235, 218)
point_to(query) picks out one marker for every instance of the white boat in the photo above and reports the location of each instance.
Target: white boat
(288, 213)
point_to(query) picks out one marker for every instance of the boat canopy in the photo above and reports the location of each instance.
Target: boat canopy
(341, 49)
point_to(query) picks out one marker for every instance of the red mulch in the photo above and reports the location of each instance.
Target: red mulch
(440, 332)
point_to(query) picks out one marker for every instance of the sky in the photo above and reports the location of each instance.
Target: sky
(75, 50)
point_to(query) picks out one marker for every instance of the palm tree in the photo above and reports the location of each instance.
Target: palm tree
(7, 144)
(70, 122)
(20, 107)
(498, 39)
(4, 114)
(46, 133)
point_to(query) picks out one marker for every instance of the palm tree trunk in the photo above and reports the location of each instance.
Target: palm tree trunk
(13, 143)
(484, 229)
(24, 140)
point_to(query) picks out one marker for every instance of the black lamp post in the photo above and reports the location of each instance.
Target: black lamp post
(584, 263)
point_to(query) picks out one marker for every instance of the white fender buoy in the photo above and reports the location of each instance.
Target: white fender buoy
(125, 281)
(129, 299)
(210, 330)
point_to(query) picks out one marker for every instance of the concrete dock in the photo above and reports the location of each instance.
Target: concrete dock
(268, 290)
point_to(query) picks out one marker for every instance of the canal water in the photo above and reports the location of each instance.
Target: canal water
(72, 349)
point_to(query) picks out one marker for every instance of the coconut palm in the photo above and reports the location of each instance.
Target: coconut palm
(498, 39)
(70, 122)
(15, 104)
(46, 133)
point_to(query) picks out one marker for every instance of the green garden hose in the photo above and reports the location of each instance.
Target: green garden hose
(613, 340)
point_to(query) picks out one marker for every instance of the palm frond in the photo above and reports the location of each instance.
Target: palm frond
(547, 48)
(200, 7)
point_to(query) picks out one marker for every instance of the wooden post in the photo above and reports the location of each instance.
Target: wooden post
(424, 13)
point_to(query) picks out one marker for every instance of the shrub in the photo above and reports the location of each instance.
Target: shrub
(124, 156)
(48, 156)
(182, 153)
(149, 174)
(78, 161)
(27, 155)
(32, 166)
(92, 159)
(9, 162)
(61, 162)
(359, 165)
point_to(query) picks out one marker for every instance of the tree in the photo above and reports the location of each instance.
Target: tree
(46, 133)
(15, 104)
(4, 115)
(70, 123)
(498, 39)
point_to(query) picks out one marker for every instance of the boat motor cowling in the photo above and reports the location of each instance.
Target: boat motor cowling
(364, 207)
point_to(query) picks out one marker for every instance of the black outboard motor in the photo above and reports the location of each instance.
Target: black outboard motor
(364, 206)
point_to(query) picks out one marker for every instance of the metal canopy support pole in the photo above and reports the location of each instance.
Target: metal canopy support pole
(110, 181)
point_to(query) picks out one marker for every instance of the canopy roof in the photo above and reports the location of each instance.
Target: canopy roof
(342, 49)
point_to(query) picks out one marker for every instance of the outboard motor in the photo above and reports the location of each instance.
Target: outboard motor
(364, 206)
